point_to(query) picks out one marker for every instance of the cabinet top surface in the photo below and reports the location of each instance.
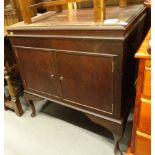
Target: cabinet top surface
(116, 17)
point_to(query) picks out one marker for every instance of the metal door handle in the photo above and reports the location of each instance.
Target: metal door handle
(52, 76)
(61, 78)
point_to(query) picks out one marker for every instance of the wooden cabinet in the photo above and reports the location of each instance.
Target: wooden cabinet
(77, 78)
(69, 60)
(141, 134)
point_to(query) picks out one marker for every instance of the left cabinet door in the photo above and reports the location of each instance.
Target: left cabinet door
(38, 71)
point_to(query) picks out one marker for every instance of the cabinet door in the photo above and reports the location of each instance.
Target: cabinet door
(38, 72)
(87, 80)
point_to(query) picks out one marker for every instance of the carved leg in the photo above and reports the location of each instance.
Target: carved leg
(33, 114)
(118, 135)
(29, 98)
(17, 105)
(117, 139)
(116, 129)
(14, 99)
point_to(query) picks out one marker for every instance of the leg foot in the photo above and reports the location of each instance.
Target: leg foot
(116, 129)
(33, 114)
(117, 139)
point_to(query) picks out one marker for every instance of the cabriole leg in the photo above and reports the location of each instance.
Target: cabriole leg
(117, 139)
(116, 129)
(33, 108)
(29, 98)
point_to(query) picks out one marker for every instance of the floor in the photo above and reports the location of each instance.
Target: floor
(57, 130)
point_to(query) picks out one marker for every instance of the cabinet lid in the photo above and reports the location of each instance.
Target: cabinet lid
(116, 18)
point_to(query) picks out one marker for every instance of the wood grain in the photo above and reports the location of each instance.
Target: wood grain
(89, 68)
(84, 78)
(122, 3)
(43, 76)
(148, 63)
(143, 144)
(99, 10)
(26, 14)
(144, 124)
(142, 111)
(146, 88)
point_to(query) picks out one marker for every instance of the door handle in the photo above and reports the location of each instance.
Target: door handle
(61, 78)
(52, 76)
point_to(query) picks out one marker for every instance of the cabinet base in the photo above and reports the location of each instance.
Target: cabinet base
(116, 128)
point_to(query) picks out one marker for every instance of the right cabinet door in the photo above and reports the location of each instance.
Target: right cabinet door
(87, 80)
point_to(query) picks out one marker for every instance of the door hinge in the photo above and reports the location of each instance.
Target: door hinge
(113, 66)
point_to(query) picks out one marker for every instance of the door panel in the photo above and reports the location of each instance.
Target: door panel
(38, 71)
(87, 80)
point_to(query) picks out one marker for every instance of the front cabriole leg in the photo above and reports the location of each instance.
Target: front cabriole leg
(33, 114)
(117, 139)
(117, 129)
(29, 98)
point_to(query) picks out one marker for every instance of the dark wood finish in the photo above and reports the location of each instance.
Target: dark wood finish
(141, 133)
(45, 74)
(116, 129)
(83, 77)
(84, 18)
(14, 103)
(99, 8)
(33, 108)
(9, 59)
(92, 64)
